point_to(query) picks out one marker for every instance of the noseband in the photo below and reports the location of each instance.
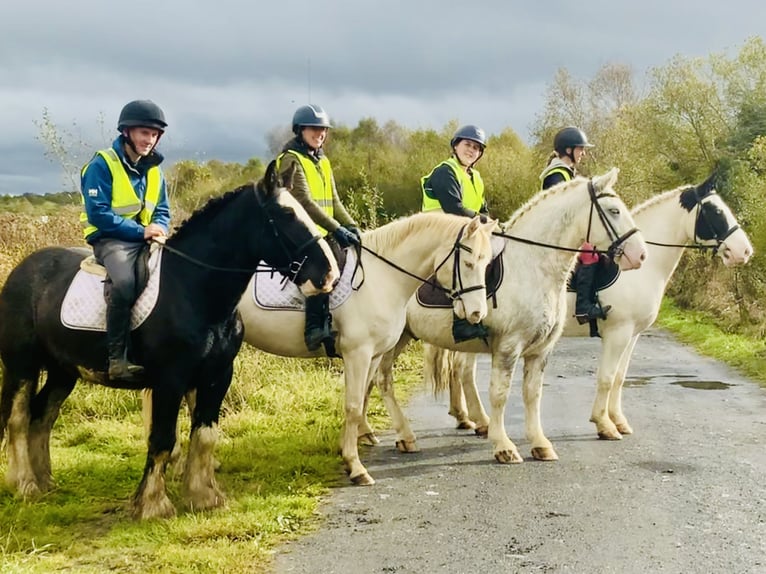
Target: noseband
(616, 248)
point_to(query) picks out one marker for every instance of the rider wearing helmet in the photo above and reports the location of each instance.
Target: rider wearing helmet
(570, 145)
(125, 205)
(455, 186)
(313, 185)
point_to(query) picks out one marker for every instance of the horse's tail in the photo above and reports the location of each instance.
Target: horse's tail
(438, 369)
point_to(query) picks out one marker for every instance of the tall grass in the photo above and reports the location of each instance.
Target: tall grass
(278, 452)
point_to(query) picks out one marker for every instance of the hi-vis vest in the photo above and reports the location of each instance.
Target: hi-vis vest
(319, 179)
(473, 189)
(558, 169)
(125, 201)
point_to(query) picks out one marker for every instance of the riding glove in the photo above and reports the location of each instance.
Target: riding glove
(345, 238)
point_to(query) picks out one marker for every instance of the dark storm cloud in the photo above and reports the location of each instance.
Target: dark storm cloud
(227, 72)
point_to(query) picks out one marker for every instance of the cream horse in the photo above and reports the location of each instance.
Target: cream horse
(370, 320)
(687, 216)
(531, 302)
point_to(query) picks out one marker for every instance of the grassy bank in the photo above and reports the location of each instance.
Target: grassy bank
(278, 450)
(746, 354)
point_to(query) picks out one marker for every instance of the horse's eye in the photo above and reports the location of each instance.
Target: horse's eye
(469, 264)
(614, 211)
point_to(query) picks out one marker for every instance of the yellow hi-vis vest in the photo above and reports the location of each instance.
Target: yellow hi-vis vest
(473, 189)
(319, 179)
(562, 170)
(125, 201)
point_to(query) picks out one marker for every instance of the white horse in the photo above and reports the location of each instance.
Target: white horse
(674, 220)
(369, 322)
(531, 302)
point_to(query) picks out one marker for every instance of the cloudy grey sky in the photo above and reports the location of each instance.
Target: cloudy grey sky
(227, 72)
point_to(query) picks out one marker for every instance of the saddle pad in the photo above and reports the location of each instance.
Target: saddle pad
(607, 273)
(429, 296)
(272, 291)
(84, 307)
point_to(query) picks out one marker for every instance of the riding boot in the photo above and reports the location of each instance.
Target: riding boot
(117, 334)
(462, 330)
(317, 321)
(587, 307)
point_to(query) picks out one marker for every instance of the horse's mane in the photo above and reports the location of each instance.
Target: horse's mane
(659, 198)
(540, 196)
(204, 214)
(400, 230)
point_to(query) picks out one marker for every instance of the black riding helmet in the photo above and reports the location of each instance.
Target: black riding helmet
(310, 115)
(570, 137)
(469, 132)
(141, 113)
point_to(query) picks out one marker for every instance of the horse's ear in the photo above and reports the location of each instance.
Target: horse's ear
(473, 226)
(708, 185)
(270, 181)
(288, 175)
(602, 182)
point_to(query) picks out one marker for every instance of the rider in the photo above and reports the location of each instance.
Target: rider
(455, 186)
(313, 185)
(125, 205)
(569, 145)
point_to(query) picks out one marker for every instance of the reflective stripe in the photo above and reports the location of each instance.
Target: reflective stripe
(558, 169)
(319, 179)
(125, 200)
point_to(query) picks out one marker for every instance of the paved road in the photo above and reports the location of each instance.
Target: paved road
(685, 494)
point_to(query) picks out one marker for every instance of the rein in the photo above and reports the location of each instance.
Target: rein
(453, 293)
(290, 272)
(611, 251)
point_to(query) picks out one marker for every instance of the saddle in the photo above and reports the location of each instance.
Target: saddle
(429, 295)
(271, 291)
(84, 304)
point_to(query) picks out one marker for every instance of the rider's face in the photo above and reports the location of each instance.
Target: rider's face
(144, 139)
(314, 136)
(578, 153)
(468, 152)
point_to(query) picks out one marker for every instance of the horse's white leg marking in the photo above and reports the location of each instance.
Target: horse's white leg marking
(406, 440)
(503, 365)
(357, 371)
(200, 486)
(615, 397)
(532, 391)
(20, 468)
(613, 347)
(476, 412)
(151, 500)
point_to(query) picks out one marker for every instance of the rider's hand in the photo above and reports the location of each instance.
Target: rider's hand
(153, 230)
(355, 230)
(345, 238)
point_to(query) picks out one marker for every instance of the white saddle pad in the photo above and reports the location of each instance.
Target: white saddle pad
(271, 291)
(84, 307)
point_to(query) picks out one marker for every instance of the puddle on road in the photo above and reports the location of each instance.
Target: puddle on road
(703, 385)
(686, 381)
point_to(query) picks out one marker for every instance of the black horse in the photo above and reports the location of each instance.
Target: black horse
(187, 343)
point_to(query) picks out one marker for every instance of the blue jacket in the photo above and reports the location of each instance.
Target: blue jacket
(96, 186)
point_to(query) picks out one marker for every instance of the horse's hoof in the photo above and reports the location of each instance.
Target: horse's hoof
(508, 457)
(624, 428)
(407, 446)
(368, 439)
(466, 425)
(609, 434)
(363, 479)
(163, 508)
(28, 489)
(544, 453)
(482, 431)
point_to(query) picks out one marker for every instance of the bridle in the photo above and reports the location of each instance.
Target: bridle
(294, 252)
(615, 249)
(702, 216)
(455, 292)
